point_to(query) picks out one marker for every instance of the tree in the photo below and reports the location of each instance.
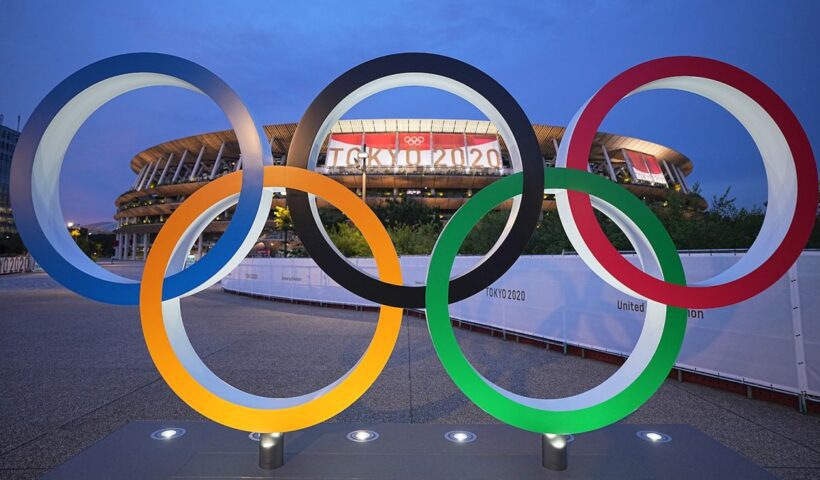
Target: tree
(331, 216)
(349, 240)
(283, 222)
(484, 235)
(414, 239)
(11, 244)
(549, 236)
(414, 228)
(406, 212)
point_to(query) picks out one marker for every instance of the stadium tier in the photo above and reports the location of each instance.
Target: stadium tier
(440, 163)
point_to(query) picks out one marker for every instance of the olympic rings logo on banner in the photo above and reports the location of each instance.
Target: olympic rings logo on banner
(414, 140)
(660, 279)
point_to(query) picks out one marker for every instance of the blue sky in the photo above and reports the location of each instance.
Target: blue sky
(550, 55)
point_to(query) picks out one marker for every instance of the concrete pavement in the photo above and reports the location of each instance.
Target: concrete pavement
(73, 371)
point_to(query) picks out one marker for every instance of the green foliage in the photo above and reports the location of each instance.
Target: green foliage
(283, 222)
(282, 219)
(331, 216)
(11, 244)
(414, 239)
(814, 240)
(298, 251)
(484, 235)
(408, 239)
(723, 225)
(349, 240)
(414, 228)
(95, 246)
(549, 237)
(406, 212)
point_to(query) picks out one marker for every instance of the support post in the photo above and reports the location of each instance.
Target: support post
(150, 177)
(147, 174)
(199, 248)
(682, 178)
(124, 246)
(271, 450)
(554, 452)
(668, 172)
(195, 170)
(144, 246)
(138, 186)
(179, 166)
(364, 185)
(139, 177)
(142, 177)
(133, 246)
(676, 176)
(799, 344)
(165, 170)
(608, 161)
(218, 161)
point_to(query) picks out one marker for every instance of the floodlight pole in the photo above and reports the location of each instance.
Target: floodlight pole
(271, 450)
(363, 158)
(554, 451)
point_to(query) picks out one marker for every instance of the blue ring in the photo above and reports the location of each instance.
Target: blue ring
(50, 244)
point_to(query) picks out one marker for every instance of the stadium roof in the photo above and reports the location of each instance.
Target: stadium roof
(281, 135)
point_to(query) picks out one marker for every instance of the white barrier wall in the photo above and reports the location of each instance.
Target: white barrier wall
(771, 340)
(18, 264)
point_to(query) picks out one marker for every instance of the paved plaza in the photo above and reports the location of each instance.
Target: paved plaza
(73, 371)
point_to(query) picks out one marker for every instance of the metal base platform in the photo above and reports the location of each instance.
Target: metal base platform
(404, 451)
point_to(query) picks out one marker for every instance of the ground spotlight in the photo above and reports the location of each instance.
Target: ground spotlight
(362, 436)
(269, 440)
(654, 437)
(460, 436)
(168, 433)
(554, 451)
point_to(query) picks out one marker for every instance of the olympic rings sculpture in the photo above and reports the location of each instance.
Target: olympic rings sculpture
(660, 280)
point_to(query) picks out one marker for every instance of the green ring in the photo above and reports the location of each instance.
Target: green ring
(486, 395)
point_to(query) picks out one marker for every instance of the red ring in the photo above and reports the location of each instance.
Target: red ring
(644, 284)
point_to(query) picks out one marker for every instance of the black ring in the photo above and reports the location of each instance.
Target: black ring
(308, 227)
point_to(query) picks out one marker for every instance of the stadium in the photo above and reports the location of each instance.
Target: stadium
(440, 163)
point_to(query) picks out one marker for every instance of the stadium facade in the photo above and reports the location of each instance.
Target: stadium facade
(8, 140)
(440, 163)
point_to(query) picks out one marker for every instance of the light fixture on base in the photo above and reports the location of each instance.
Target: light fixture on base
(362, 436)
(461, 436)
(654, 437)
(168, 433)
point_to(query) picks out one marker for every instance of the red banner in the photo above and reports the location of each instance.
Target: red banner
(402, 150)
(646, 167)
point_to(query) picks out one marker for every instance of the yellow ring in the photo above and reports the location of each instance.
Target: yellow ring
(241, 417)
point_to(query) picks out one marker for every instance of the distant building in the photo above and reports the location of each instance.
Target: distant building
(8, 140)
(440, 163)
